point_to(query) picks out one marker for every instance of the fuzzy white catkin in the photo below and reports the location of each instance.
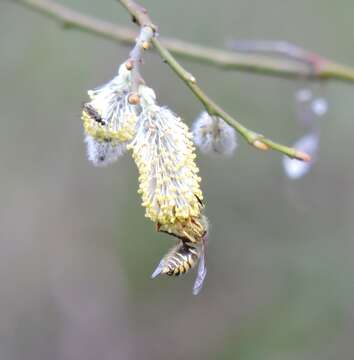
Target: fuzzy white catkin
(214, 135)
(102, 153)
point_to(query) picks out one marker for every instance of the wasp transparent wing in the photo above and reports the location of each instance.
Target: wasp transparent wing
(158, 269)
(202, 271)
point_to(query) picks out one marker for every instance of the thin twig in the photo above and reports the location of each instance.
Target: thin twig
(135, 57)
(279, 48)
(227, 60)
(282, 49)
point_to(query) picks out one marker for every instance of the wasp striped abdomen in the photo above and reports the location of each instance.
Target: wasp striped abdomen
(181, 258)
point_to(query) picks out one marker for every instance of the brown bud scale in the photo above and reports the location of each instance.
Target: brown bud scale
(300, 155)
(129, 64)
(261, 145)
(134, 99)
(146, 45)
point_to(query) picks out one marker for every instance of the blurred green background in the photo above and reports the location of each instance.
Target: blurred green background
(76, 252)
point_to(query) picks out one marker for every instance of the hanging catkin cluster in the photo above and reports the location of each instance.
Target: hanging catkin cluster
(162, 148)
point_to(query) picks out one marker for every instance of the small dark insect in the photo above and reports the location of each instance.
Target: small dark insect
(199, 201)
(91, 111)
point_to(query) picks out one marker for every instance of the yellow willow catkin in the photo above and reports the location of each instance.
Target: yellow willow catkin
(164, 154)
(109, 116)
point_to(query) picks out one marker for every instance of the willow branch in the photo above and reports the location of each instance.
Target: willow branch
(141, 17)
(228, 60)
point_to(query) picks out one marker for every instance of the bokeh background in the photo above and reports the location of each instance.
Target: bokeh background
(76, 252)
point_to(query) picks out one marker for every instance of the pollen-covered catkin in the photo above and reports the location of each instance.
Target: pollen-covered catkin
(212, 134)
(164, 154)
(109, 118)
